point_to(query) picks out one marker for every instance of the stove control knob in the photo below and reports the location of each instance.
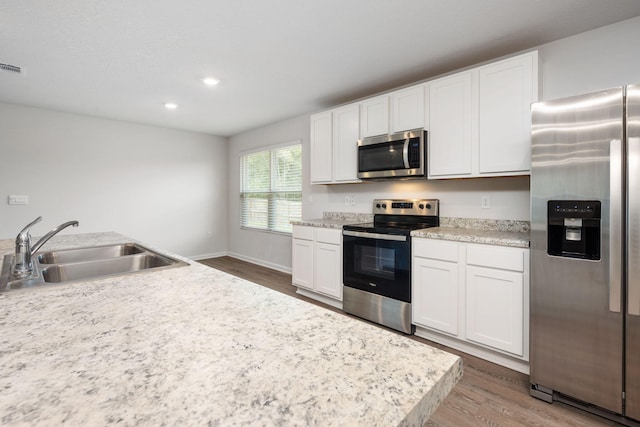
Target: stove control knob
(378, 205)
(428, 206)
(421, 206)
(384, 206)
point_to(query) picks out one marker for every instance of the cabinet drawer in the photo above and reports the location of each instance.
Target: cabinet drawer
(435, 249)
(496, 257)
(329, 235)
(302, 232)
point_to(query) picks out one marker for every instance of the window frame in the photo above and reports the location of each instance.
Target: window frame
(270, 193)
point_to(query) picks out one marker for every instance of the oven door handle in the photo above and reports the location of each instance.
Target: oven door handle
(395, 237)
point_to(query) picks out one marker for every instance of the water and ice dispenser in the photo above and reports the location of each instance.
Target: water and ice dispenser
(573, 228)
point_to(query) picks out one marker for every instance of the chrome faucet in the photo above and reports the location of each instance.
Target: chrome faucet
(23, 266)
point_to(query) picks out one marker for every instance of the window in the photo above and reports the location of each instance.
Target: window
(271, 188)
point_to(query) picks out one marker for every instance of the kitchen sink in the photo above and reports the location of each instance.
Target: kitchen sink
(105, 267)
(90, 253)
(69, 265)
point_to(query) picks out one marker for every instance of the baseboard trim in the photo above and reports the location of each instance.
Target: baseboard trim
(260, 262)
(206, 256)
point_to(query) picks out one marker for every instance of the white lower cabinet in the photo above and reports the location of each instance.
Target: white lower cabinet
(302, 262)
(317, 263)
(435, 286)
(474, 298)
(494, 308)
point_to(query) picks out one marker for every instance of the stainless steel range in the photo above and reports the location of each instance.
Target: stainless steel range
(377, 261)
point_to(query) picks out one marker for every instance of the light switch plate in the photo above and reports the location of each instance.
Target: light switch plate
(18, 200)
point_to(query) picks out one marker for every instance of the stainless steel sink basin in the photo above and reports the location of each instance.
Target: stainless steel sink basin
(90, 254)
(105, 267)
(87, 263)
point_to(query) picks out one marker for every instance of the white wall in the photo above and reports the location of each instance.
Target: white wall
(594, 60)
(261, 247)
(164, 187)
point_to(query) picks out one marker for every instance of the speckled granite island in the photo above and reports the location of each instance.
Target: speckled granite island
(196, 346)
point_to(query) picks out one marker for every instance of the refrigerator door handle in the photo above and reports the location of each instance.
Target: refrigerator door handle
(633, 240)
(615, 227)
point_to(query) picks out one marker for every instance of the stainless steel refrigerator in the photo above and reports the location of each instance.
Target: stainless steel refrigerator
(585, 252)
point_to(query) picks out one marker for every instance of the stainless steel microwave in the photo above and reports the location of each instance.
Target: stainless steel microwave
(400, 155)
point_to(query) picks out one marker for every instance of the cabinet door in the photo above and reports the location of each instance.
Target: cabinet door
(321, 156)
(506, 91)
(302, 263)
(408, 109)
(435, 294)
(450, 127)
(346, 131)
(495, 311)
(328, 270)
(374, 116)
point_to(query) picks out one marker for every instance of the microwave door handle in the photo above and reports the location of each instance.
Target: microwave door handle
(405, 153)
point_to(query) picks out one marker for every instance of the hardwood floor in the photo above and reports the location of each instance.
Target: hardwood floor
(487, 394)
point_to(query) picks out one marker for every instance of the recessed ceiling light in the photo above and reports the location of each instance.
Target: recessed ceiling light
(210, 81)
(170, 106)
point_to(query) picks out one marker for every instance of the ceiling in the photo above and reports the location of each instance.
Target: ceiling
(275, 59)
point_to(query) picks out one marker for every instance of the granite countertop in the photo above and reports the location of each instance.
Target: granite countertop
(196, 346)
(335, 220)
(470, 230)
(325, 223)
(516, 239)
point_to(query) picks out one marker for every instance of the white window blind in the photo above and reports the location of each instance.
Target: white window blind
(271, 188)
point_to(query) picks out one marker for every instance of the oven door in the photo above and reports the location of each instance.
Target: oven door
(377, 263)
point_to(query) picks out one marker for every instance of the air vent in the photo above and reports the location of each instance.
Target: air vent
(10, 68)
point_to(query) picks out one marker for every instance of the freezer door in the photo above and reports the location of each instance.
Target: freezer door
(576, 304)
(633, 252)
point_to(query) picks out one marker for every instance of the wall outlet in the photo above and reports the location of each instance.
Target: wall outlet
(18, 200)
(347, 200)
(353, 200)
(485, 202)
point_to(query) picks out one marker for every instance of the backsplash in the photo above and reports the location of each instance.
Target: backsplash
(486, 224)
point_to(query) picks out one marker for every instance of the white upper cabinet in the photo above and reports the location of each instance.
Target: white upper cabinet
(408, 109)
(506, 91)
(478, 123)
(374, 116)
(334, 145)
(450, 118)
(346, 131)
(321, 148)
(480, 119)
(396, 112)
